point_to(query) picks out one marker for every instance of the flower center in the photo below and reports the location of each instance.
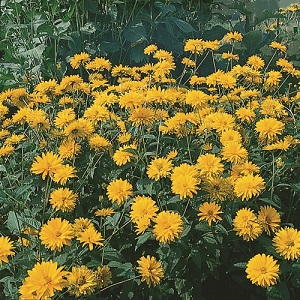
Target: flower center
(263, 270)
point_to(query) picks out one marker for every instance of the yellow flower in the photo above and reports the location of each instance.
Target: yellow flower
(269, 128)
(131, 100)
(262, 270)
(249, 186)
(159, 168)
(64, 117)
(43, 281)
(56, 233)
(230, 135)
(81, 281)
(69, 149)
(63, 199)
(168, 226)
(245, 114)
(79, 128)
(80, 225)
(63, 174)
(194, 46)
(151, 270)
(91, 237)
(188, 62)
(218, 188)
(104, 212)
(230, 56)
(247, 225)
(227, 80)
(197, 99)
(284, 144)
(141, 207)
(79, 59)
(47, 164)
(98, 142)
(287, 243)
(103, 276)
(150, 49)
(209, 211)
(6, 150)
(234, 152)
(6, 249)
(124, 154)
(141, 116)
(233, 37)
(209, 165)
(163, 55)
(142, 224)
(278, 46)
(119, 190)
(273, 79)
(46, 87)
(269, 219)
(255, 62)
(98, 64)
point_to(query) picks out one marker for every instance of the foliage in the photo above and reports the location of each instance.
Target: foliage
(159, 180)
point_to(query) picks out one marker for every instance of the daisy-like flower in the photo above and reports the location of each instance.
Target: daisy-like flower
(80, 128)
(64, 117)
(81, 281)
(287, 243)
(47, 164)
(209, 165)
(218, 188)
(273, 79)
(195, 46)
(230, 56)
(159, 168)
(234, 152)
(245, 114)
(262, 270)
(6, 150)
(43, 281)
(255, 62)
(80, 225)
(188, 62)
(248, 186)
(168, 226)
(269, 128)
(278, 46)
(119, 190)
(269, 219)
(104, 212)
(230, 135)
(79, 59)
(233, 37)
(98, 64)
(63, 174)
(124, 154)
(63, 199)
(91, 237)
(143, 206)
(141, 116)
(56, 233)
(150, 269)
(6, 249)
(98, 142)
(185, 181)
(209, 211)
(69, 149)
(103, 276)
(247, 225)
(150, 49)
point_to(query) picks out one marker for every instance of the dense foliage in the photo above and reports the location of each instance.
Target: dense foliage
(158, 172)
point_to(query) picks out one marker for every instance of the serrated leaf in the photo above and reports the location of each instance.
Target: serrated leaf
(142, 239)
(135, 32)
(14, 222)
(182, 25)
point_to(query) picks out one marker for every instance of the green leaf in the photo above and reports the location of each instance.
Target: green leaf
(135, 32)
(196, 257)
(14, 222)
(215, 33)
(182, 25)
(221, 228)
(241, 265)
(142, 239)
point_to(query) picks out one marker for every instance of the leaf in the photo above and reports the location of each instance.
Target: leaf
(221, 228)
(182, 25)
(135, 32)
(142, 239)
(14, 222)
(241, 265)
(215, 33)
(196, 257)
